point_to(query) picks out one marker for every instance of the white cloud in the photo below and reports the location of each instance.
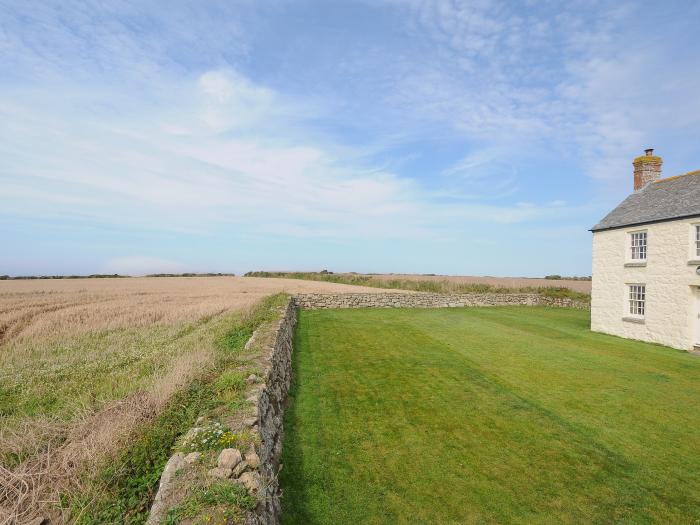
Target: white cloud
(129, 116)
(597, 82)
(251, 165)
(232, 102)
(113, 131)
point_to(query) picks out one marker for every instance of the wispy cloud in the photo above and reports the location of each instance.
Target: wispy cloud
(223, 151)
(440, 121)
(597, 82)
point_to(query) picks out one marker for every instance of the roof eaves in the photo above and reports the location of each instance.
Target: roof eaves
(643, 223)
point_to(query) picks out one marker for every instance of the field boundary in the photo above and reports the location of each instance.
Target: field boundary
(267, 396)
(271, 402)
(258, 467)
(314, 301)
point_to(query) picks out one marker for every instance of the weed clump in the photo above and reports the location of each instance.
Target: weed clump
(218, 503)
(214, 436)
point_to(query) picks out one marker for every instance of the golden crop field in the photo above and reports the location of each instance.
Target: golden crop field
(575, 288)
(85, 362)
(498, 282)
(48, 307)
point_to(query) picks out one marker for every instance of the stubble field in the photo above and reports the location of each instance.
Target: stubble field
(573, 288)
(86, 363)
(496, 282)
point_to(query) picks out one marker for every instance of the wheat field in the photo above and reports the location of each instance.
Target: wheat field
(84, 362)
(31, 309)
(497, 282)
(446, 284)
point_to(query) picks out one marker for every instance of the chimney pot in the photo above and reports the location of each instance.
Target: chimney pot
(647, 168)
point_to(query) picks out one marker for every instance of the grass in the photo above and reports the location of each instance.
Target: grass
(66, 380)
(96, 405)
(124, 488)
(493, 415)
(424, 285)
(70, 348)
(218, 503)
(70, 379)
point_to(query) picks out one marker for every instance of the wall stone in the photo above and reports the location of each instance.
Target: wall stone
(429, 300)
(271, 403)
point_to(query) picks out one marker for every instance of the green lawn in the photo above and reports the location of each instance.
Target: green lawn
(487, 415)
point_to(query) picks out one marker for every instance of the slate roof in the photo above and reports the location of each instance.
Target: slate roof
(662, 200)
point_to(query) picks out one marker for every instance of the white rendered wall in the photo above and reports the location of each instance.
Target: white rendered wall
(670, 278)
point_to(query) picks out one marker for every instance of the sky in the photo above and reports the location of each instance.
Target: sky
(423, 136)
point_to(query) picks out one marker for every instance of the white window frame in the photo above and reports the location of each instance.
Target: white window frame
(694, 243)
(636, 302)
(638, 246)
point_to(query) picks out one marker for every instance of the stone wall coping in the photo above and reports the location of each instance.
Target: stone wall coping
(430, 300)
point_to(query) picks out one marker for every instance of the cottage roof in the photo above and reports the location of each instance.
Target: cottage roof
(662, 200)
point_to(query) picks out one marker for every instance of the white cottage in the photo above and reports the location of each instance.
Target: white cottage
(646, 260)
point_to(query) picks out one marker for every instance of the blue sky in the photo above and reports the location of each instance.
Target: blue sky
(479, 137)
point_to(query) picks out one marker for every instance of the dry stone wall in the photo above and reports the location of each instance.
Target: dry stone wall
(268, 396)
(429, 300)
(271, 402)
(257, 467)
(271, 399)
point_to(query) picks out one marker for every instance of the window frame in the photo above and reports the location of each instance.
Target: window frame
(637, 248)
(694, 243)
(636, 301)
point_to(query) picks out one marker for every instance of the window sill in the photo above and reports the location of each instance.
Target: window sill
(636, 320)
(640, 264)
(693, 262)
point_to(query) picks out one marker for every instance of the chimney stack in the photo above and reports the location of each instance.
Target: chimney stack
(647, 168)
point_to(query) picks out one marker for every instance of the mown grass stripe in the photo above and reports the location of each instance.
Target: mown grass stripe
(483, 415)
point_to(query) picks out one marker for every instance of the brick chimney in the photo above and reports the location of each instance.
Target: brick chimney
(647, 168)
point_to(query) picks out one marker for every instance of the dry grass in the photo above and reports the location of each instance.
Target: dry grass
(84, 362)
(446, 284)
(498, 282)
(61, 452)
(38, 308)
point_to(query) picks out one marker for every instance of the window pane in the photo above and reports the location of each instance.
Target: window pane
(637, 299)
(638, 245)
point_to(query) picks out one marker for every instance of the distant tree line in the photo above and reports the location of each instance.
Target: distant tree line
(110, 276)
(310, 275)
(556, 277)
(191, 275)
(418, 285)
(93, 276)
